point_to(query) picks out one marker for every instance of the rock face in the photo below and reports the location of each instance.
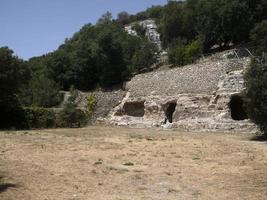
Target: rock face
(199, 97)
(151, 31)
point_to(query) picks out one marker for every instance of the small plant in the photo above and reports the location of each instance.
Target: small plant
(128, 164)
(91, 103)
(99, 162)
(195, 158)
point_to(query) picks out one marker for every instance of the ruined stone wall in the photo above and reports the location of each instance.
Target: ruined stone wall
(194, 97)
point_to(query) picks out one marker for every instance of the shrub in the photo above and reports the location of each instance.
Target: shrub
(71, 117)
(181, 54)
(91, 103)
(255, 95)
(11, 113)
(39, 117)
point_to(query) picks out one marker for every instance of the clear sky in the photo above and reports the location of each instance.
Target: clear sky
(35, 27)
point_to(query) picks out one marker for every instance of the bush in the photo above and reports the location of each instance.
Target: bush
(256, 93)
(11, 113)
(259, 37)
(39, 117)
(71, 117)
(181, 54)
(91, 103)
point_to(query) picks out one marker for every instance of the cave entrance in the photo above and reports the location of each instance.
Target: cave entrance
(236, 107)
(169, 112)
(134, 109)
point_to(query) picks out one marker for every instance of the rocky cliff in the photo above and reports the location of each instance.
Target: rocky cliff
(204, 96)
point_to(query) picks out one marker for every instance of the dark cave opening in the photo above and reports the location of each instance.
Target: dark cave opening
(237, 108)
(169, 112)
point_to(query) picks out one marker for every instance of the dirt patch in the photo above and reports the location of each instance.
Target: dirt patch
(104, 163)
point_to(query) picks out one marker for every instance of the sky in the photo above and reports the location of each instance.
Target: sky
(35, 27)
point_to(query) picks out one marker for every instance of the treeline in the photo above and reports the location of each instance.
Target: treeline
(98, 56)
(194, 27)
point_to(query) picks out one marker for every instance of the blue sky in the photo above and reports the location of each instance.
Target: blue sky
(35, 27)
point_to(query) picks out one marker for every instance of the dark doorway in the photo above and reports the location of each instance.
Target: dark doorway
(169, 112)
(134, 109)
(237, 110)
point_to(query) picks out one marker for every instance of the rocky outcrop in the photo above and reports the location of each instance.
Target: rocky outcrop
(151, 31)
(199, 97)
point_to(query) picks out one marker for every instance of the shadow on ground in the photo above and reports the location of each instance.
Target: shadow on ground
(260, 138)
(5, 186)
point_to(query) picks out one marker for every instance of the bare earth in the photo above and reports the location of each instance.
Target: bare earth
(103, 163)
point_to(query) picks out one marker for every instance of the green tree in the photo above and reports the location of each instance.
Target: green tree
(105, 19)
(123, 18)
(45, 92)
(259, 37)
(13, 74)
(181, 53)
(255, 94)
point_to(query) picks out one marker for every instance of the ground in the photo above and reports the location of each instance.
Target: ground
(104, 163)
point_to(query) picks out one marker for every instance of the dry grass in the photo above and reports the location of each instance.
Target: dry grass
(105, 163)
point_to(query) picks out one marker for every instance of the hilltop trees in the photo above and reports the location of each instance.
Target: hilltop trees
(221, 22)
(103, 55)
(123, 18)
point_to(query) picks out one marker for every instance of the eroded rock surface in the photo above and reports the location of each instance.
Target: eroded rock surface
(194, 97)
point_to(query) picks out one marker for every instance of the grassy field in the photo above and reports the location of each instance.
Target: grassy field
(103, 163)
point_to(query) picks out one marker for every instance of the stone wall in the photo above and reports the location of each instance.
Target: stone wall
(195, 97)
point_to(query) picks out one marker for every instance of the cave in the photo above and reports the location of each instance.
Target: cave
(169, 112)
(236, 107)
(134, 109)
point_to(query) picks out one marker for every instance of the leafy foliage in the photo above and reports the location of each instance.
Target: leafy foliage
(91, 103)
(256, 93)
(13, 75)
(71, 117)
(37, 117)
(259, 37)
(181, 54)
(98, 56)
(221, 22)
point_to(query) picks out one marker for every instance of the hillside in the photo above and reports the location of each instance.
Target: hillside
(104, 55)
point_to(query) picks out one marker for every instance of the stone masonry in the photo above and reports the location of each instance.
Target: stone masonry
(200, 97)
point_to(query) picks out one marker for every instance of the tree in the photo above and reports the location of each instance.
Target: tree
(13, 74)
(259, 37)
(71, 116)
(255, 94)
(105, 18)
(123, 18)
(181, 53)
(45, 92)
(236, 21)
